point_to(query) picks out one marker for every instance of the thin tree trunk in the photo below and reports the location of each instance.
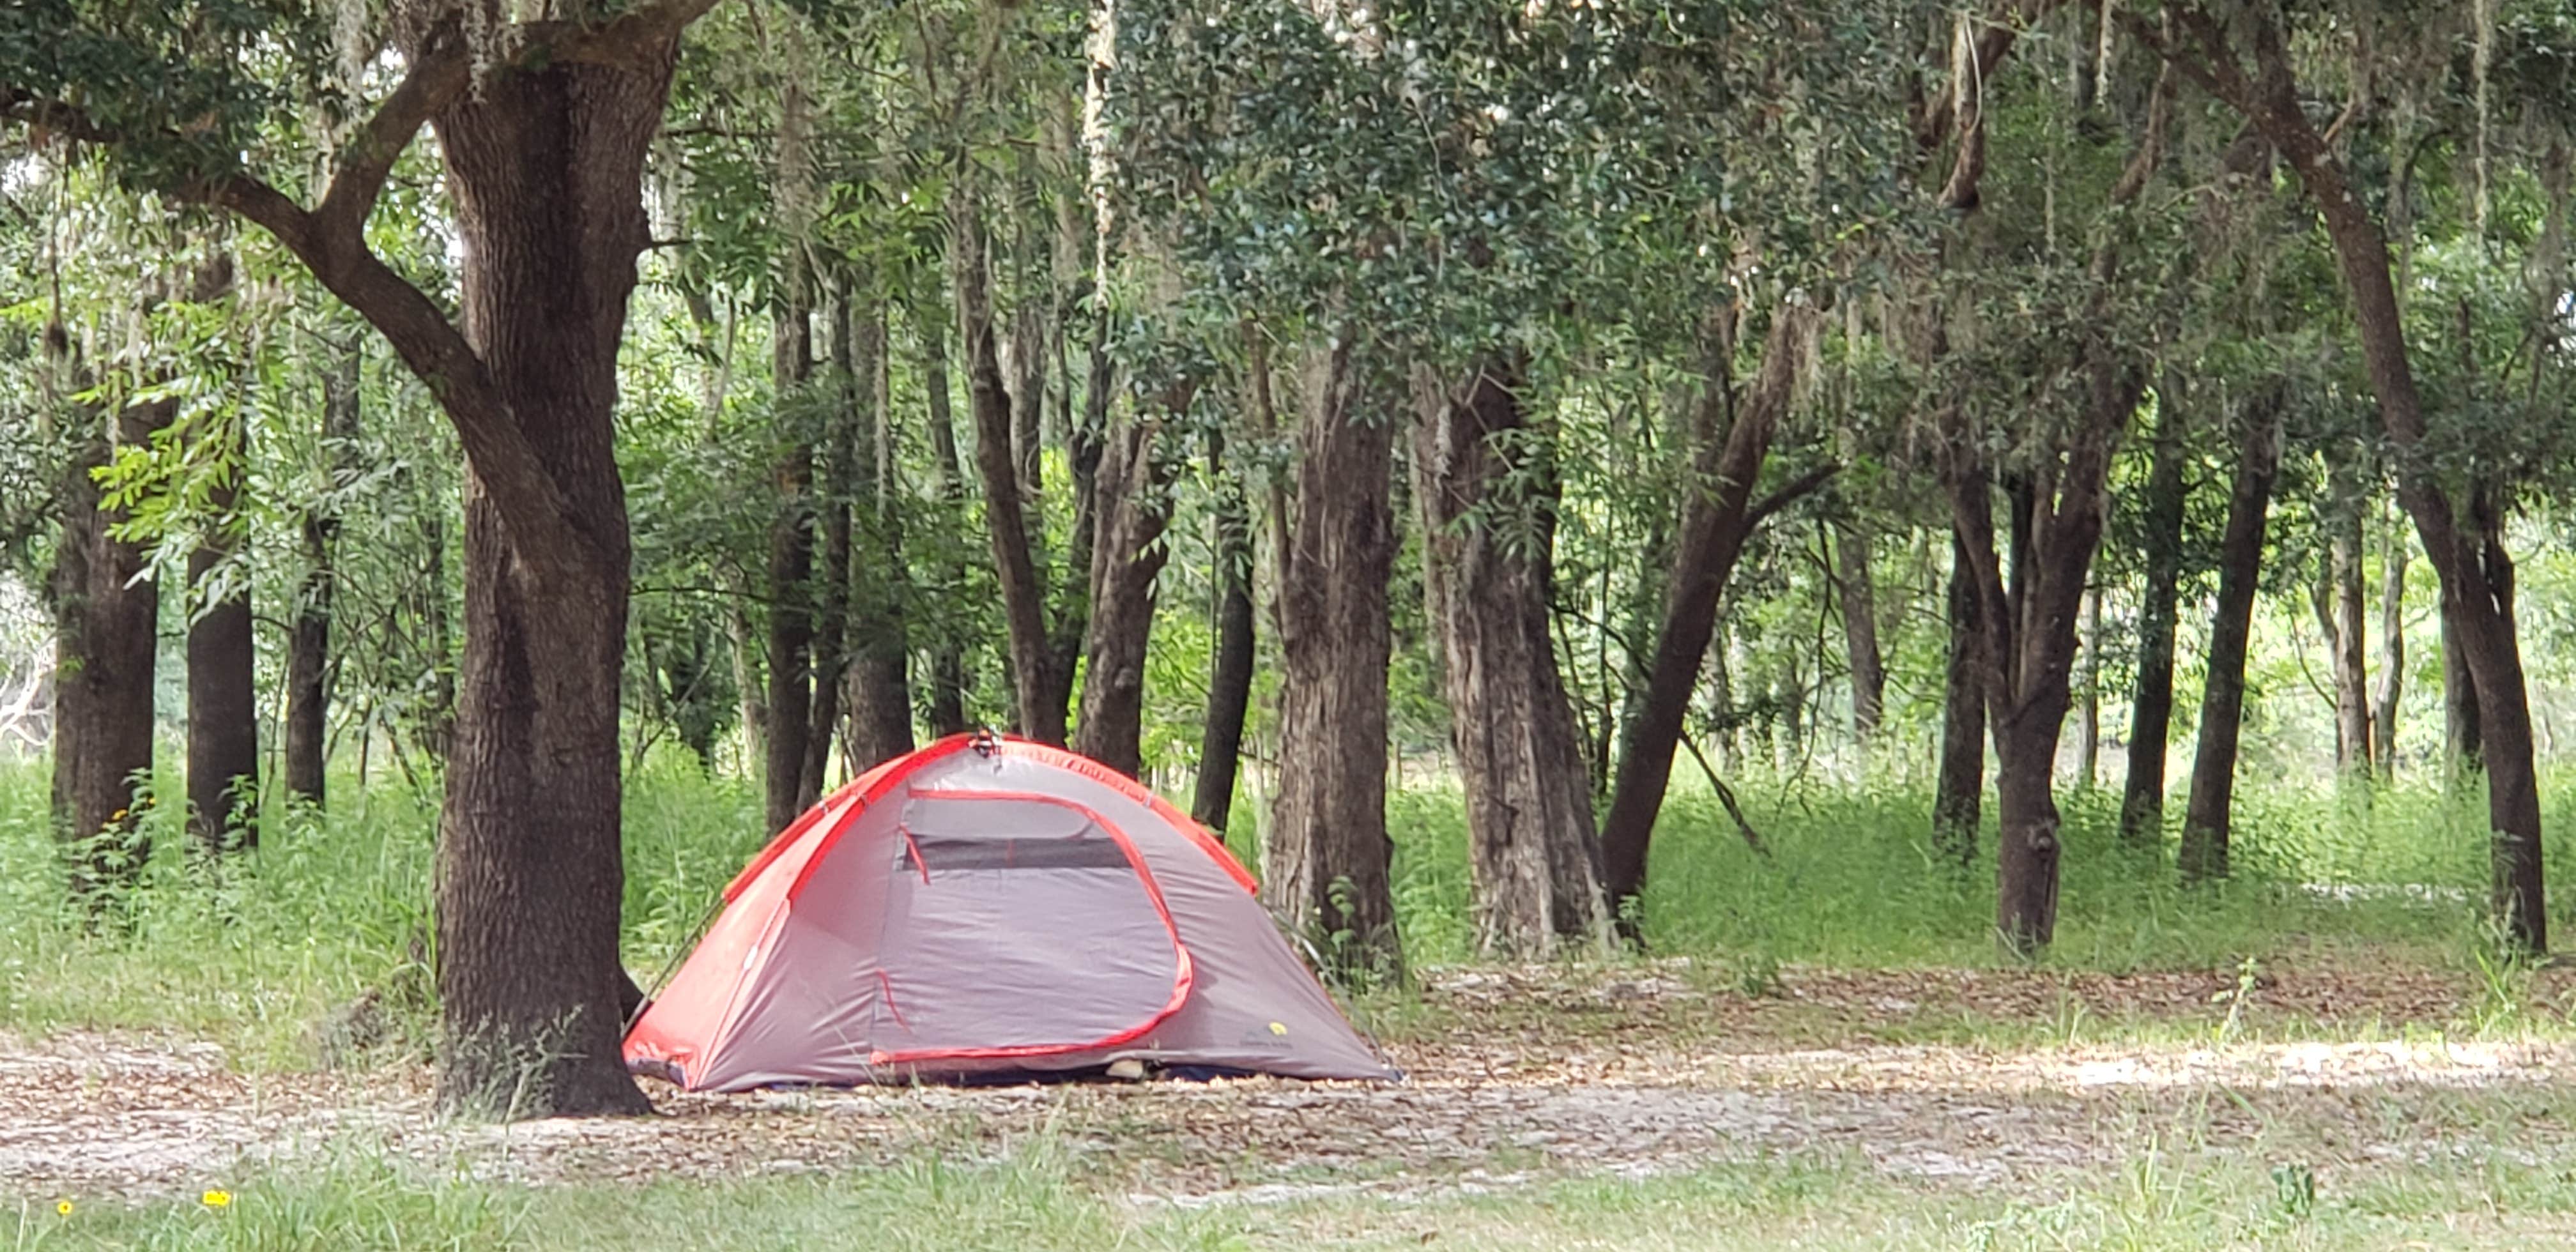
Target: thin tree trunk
(223, 691)
(880, 685)
(2392, 657)
(2208, 815)
(1230, 667)
(946, 708)
(2142, 799)
(1534, 857)
(104, 653)
(792, 600)
(1958, 798)
(1327, 858)
(308, 654)
(839, 464)
(1717, 516)
(2351, 650)
(1859, 602)
(1037, 695)
(2462, 751)
(2088, 729)
(1087, 440)
(1124, 567)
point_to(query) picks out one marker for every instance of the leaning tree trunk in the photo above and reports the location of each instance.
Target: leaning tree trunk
(1327, 860)
(223, 693)
(104, 648)
(308, 652)
(2208, 815)
(1230, 666)
(1534, 858)
(1037, 695)
(2461, 530)
(1128, 558)
(1958, 797)
(545, 164)
(1718, 515)
(2142, 799)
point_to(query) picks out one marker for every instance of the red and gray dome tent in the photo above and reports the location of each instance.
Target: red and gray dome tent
(990, 906)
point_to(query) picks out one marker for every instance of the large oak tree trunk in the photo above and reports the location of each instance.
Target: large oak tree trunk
(1958, 795)
(1717, 516)
(545, 166)
(308, 652)
(223, 692)
(1327, 860)
(2208, 815)
(1137, 504)
(1037, 696)
(1230, 667)
(2142, 799)
(104, 648)
(1534, 858)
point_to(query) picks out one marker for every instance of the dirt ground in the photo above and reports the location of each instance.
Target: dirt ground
(1510, 1072)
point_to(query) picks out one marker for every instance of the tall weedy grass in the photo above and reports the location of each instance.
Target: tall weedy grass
(257, 950)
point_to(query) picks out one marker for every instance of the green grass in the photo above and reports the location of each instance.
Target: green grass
(1039, 1199)
(333, 904)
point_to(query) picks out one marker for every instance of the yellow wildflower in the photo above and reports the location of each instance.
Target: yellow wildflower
(120, 816)
(216, 1199)
(63, 1207)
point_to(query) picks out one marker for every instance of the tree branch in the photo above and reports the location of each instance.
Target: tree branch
(1790, 493)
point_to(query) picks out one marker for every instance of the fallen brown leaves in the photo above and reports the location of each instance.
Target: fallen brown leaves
(1630, 1068)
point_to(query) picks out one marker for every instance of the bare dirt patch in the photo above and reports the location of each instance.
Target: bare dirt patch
(1632, 1070)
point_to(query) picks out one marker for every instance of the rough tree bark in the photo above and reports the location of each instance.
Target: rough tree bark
(1038, 697)
(308, 652)
(223, 688)
(2462, 530)
(1136, 504)
(1958, 797)
(2207, 816)
(1717, 517)
(1230, 666)
(104, 650)
(2142, 797)
(1534, 858)
(1327, 859)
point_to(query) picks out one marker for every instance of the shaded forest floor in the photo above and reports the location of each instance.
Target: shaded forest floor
(1981, 1093)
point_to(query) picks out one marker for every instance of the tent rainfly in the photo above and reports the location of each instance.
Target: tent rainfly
(985, 908)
